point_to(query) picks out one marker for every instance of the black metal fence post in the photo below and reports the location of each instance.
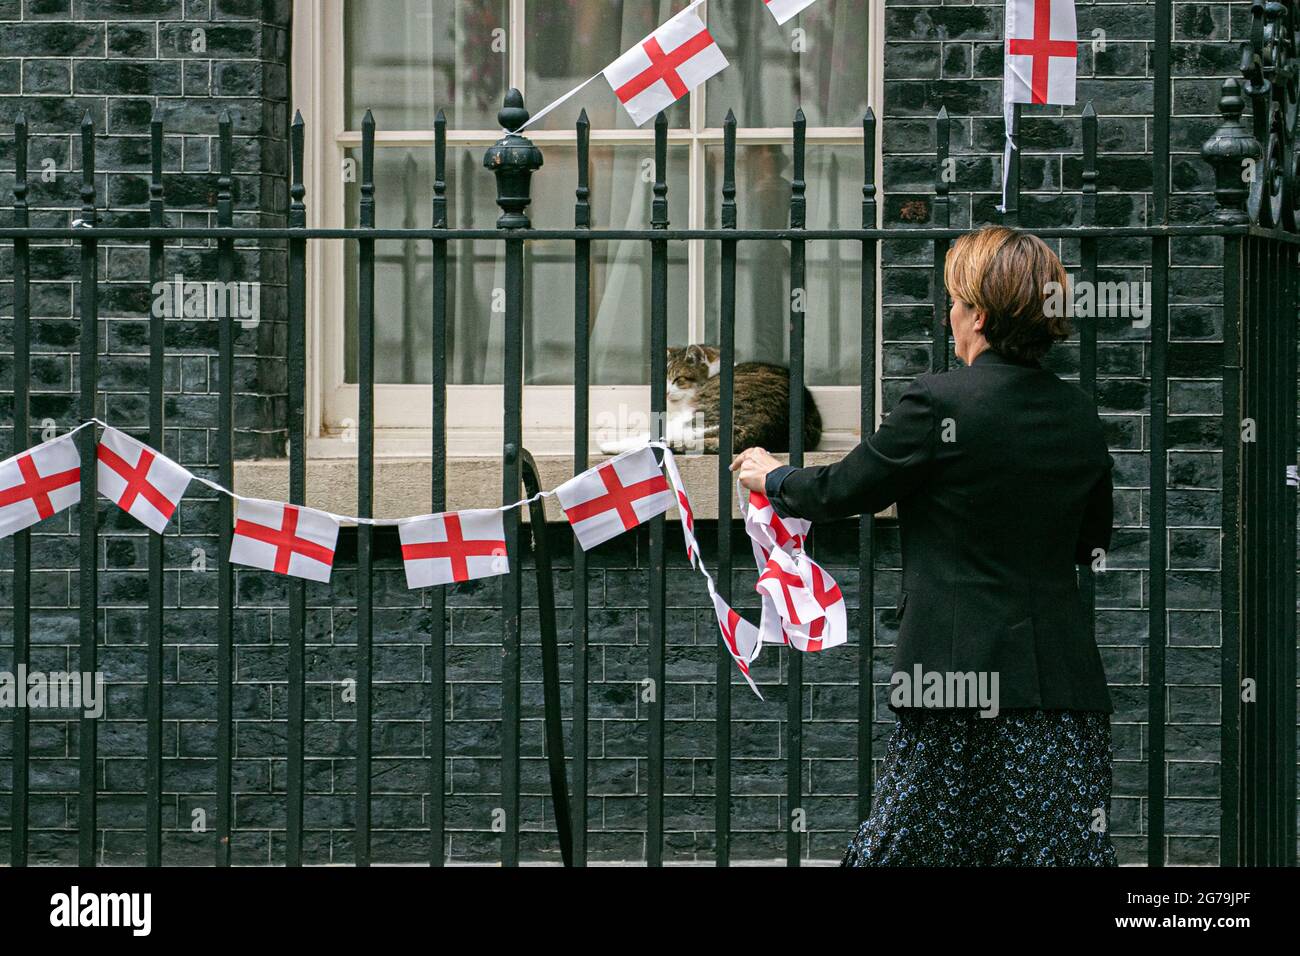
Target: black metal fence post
(581, 457)
(867, 523)
(297, 587)
(656, 595)
(154, 664)
(1232, 151)
(87, 514)
(365, 487)
(513, 158)
(795, 812)
(225, 450)
(942, 218)
(1087, 324)
(437, 745)
(22, 540)
(726, 488)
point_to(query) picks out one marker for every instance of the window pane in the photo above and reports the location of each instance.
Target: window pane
(768, 79)
(568, 41)
(620, 309)
(406, 59)
(832, 339)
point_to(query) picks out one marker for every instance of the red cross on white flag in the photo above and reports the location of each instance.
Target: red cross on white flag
(783, 10)
(453, 546)
(1041, 53)
(1039, 62)
(740, 638)
(684, 510)
(39, 483)
(830, 627)
(285, 539)
(615, 496)
(665, 66)
(142, 482)
(783, 581)
(767, 530)
(802, 604)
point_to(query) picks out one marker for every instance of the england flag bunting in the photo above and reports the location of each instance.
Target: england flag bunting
(286, 539)
(142, 482)
(615, 496)
(1040, 62)
(783, 10)
(38, 484)
(452, 547)
(739, 636)
(802, 604)
(665, 66)
(684, 510)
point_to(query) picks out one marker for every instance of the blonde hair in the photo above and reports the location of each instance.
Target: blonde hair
(1005, 273)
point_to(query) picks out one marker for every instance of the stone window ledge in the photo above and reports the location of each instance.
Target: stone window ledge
(402, 483)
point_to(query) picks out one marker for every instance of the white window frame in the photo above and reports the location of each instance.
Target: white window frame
(474, 412)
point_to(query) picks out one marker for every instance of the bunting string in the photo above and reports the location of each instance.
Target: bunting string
(802, 606)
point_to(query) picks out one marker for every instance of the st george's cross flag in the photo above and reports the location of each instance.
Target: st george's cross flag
(142, 482)
(665, 66)
(615, 496)
(1042, 52)
(739, 637)
(829, 625)
(453, 546)
(1039, 63)
(767, 530)
(783, 10)
(38, 484)
(685, 510)
(286, 539)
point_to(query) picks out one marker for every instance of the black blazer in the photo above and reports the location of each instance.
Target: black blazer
(1003, 484)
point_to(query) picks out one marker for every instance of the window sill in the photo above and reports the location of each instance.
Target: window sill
(402, 482)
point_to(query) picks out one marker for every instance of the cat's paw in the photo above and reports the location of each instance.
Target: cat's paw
(616, 446)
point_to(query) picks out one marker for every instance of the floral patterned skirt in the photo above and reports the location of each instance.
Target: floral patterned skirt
(1026, 787)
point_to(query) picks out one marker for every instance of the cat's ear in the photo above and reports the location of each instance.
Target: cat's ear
(696, 354)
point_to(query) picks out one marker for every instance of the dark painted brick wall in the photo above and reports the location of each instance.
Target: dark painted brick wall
(119, 60)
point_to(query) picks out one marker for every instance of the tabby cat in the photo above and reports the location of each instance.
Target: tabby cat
(760, 409)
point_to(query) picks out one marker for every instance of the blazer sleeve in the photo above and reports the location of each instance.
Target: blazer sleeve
(874, 475)
(1098, 517)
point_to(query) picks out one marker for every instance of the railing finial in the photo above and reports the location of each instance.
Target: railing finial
(512, 159)
(1228, 151)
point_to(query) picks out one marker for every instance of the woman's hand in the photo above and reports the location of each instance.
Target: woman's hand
(753, 465)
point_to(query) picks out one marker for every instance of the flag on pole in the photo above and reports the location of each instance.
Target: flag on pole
(454, 546)
(286, 539)
(38, 484)
(615, 496)
(142, 482)
(665, 66)
(783, 10)
(1039, 62)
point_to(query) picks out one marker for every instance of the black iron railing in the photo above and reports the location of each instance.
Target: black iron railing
(1256, 224)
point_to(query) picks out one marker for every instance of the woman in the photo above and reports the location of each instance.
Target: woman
(1003, 483)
